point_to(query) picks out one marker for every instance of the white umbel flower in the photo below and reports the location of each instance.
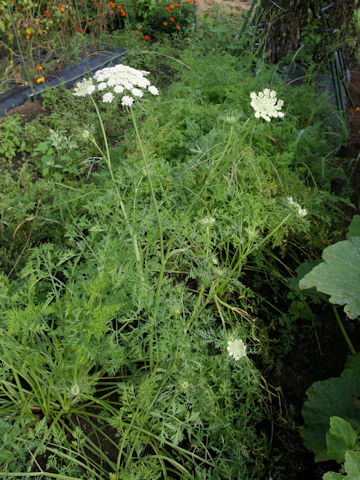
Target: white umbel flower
(117, 80)
(236, 348)
(302, 212)
(207, 221)
(266, 105)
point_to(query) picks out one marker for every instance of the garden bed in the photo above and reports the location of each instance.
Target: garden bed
(151, 236)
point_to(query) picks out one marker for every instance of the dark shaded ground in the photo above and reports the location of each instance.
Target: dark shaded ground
(295, 373)
(306, 364)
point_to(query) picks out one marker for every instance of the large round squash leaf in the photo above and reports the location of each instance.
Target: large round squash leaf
(352, 468)
(338, 275)
(334, 397)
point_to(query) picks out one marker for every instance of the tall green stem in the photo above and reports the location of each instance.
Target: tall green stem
(212, 171)
(122, 206)
(150, 184)
(162, 253)
(157, 212)
(343, 331)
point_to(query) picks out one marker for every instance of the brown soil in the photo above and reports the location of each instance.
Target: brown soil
(232, 6)
(29, 110)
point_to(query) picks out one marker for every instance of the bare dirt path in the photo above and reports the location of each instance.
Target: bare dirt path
(232, 6)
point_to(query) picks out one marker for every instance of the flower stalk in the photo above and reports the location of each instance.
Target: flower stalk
(107, 159)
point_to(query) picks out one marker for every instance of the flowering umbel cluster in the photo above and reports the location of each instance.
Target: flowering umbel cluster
(266, 105)
(236, 348)
(302, 212)
(122, 80)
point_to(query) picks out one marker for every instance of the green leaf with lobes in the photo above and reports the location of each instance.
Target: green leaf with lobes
(338, 275)
(340, 438)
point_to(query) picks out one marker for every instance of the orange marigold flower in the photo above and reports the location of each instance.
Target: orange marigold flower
(177, 27)
(46, 12)
(172, 19)
(111, 4)
(89, 22)
(168, 9)
(171, 6)
(177, 4)
(146, 37)
(119, 6)
(165, 24)
(19, 9)
(122, 13)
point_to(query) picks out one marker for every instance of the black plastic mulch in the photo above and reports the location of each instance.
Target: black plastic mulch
(69, 75)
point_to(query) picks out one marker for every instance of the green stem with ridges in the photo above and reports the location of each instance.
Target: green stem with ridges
(122, 206)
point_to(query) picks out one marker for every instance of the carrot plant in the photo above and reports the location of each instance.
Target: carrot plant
(134, 328)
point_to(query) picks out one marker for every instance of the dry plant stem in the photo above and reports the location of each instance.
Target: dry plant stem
(343, 331)
(122, 206)
(19, 47)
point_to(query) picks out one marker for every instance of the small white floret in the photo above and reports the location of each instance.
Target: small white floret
(207, 221)
(137, 92)
(127, 101)
(236, 348)
(118, 89)
(302, 212)
(81, 88)
(153, 90)
(108, 97)
(102, 86)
